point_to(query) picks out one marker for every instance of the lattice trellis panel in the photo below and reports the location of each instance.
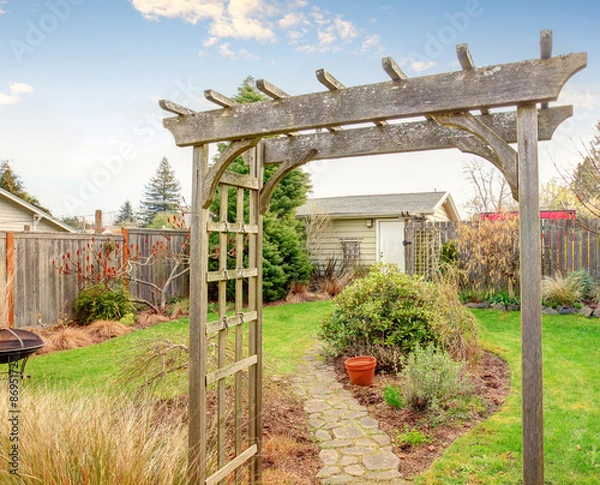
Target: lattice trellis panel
(225, 433)
(427, 243)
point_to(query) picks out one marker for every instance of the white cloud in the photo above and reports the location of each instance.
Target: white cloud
(237, 19)
(310, 28)
(15, 92)
(225, 51)
(290, 20)
(420, 66)
(210, 41)
(370, 42)
(326, 38)
(345, 29)
(3, 2)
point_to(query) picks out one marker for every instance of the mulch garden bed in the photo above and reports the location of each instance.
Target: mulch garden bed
(492, 383)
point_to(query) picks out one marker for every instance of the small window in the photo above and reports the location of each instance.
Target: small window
(351, 252)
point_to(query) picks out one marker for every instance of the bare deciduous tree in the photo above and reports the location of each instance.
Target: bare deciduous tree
(491, 192)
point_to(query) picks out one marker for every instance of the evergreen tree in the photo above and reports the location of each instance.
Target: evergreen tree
(284, 257)
(162, 194)
(126, 216)
(11, 182)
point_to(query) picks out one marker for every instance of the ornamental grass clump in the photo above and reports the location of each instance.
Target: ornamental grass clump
(388, 313)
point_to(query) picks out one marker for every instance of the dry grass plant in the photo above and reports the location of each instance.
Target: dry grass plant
(560, 291)
(84, 439)
(64, 337)
(106, 329)
(457, 326)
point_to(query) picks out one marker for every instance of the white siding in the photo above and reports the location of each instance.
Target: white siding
(441, 215)
(353, 229)
(14, 217)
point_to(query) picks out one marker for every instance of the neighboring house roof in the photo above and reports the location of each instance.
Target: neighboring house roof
(36, 214)
(384, 205)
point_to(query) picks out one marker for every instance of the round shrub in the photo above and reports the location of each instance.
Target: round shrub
(98, 302)
(386, 314)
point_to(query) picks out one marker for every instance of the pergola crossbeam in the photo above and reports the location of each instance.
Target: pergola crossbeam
(395, 72)
(513, 84)
(331, 83)
(403, 137)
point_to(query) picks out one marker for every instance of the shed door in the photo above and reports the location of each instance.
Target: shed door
(390, 247)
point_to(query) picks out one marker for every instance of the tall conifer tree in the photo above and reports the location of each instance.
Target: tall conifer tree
(162, 193)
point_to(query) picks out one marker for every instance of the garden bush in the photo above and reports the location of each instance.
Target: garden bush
(387, 313)
(97, 302)
(432, 381)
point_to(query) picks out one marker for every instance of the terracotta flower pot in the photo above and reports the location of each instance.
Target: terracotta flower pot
(361, 370)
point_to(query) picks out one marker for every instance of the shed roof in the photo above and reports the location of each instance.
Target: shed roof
(27, 207)
(381, 205)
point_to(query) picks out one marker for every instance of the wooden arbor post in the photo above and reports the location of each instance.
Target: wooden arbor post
(521, 85)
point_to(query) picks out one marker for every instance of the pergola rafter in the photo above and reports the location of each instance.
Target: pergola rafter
(279, 131)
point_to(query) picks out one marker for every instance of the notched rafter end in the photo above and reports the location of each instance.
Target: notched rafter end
(464, 57)
(219, 99)
(270, 90)
(392, 69)
(175, 108)
(329, 81)
(545, 44)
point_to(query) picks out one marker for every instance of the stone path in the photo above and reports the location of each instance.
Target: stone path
(353, 448)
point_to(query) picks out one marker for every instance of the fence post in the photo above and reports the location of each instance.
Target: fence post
(10, 278)
(98, 222)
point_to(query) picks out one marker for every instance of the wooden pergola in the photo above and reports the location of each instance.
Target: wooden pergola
(341, 122)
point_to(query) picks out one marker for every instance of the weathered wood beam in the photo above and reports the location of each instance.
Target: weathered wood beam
(396, 74)
(506, 160)
(331, 83)
(545, 49)
(532, 81)
(219, 99)
(175, 108)
(531, 295)
(545, 44)
(271, 90)
(402, 138)
(466, 62)
(392, 69)
(286, 167)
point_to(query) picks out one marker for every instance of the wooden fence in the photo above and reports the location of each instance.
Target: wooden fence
(36, 293)
(567, 245)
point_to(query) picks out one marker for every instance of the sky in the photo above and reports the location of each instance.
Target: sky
(80, 82)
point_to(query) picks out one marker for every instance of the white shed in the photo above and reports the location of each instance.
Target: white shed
(366, 229)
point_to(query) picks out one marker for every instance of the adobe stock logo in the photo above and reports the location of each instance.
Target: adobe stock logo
(447, 35)
(55, 13)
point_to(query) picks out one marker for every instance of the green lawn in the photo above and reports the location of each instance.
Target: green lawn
(288, 331)
(491, 453)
